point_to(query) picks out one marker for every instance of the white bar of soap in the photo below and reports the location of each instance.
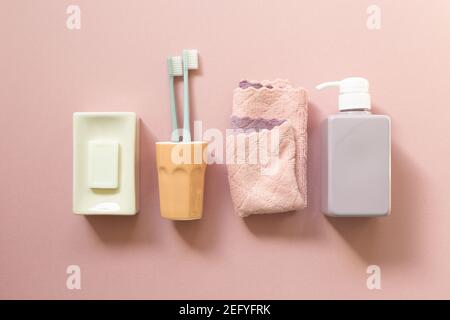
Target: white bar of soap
(103, 164)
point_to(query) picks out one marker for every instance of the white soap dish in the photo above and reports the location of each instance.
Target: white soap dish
(105, 163)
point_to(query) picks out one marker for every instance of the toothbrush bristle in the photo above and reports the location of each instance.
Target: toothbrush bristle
(191, 57)
(175, 66)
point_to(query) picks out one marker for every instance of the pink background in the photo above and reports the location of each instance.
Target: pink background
(116, 62)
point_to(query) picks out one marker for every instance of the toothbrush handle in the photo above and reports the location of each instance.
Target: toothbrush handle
(186, 120)
(173, 111)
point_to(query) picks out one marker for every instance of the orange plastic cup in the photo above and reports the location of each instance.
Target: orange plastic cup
(181, 176)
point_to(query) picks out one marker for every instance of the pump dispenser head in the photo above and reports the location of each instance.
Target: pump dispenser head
(354, 93)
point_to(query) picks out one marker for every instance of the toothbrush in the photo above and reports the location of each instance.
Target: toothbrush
(190, 61)
(174, 68)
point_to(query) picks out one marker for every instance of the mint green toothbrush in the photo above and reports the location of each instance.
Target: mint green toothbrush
(190, 61)
(174, 68)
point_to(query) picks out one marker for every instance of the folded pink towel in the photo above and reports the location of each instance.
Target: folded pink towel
(274, 112)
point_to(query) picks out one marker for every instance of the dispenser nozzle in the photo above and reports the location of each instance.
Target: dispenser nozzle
(328, 84)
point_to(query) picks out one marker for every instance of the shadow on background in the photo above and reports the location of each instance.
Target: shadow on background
(307, 223)
(386, 240)
(142, 227)
(203, 234)
(376, 240)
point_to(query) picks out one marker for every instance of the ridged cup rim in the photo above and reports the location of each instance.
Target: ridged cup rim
(181, 142)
